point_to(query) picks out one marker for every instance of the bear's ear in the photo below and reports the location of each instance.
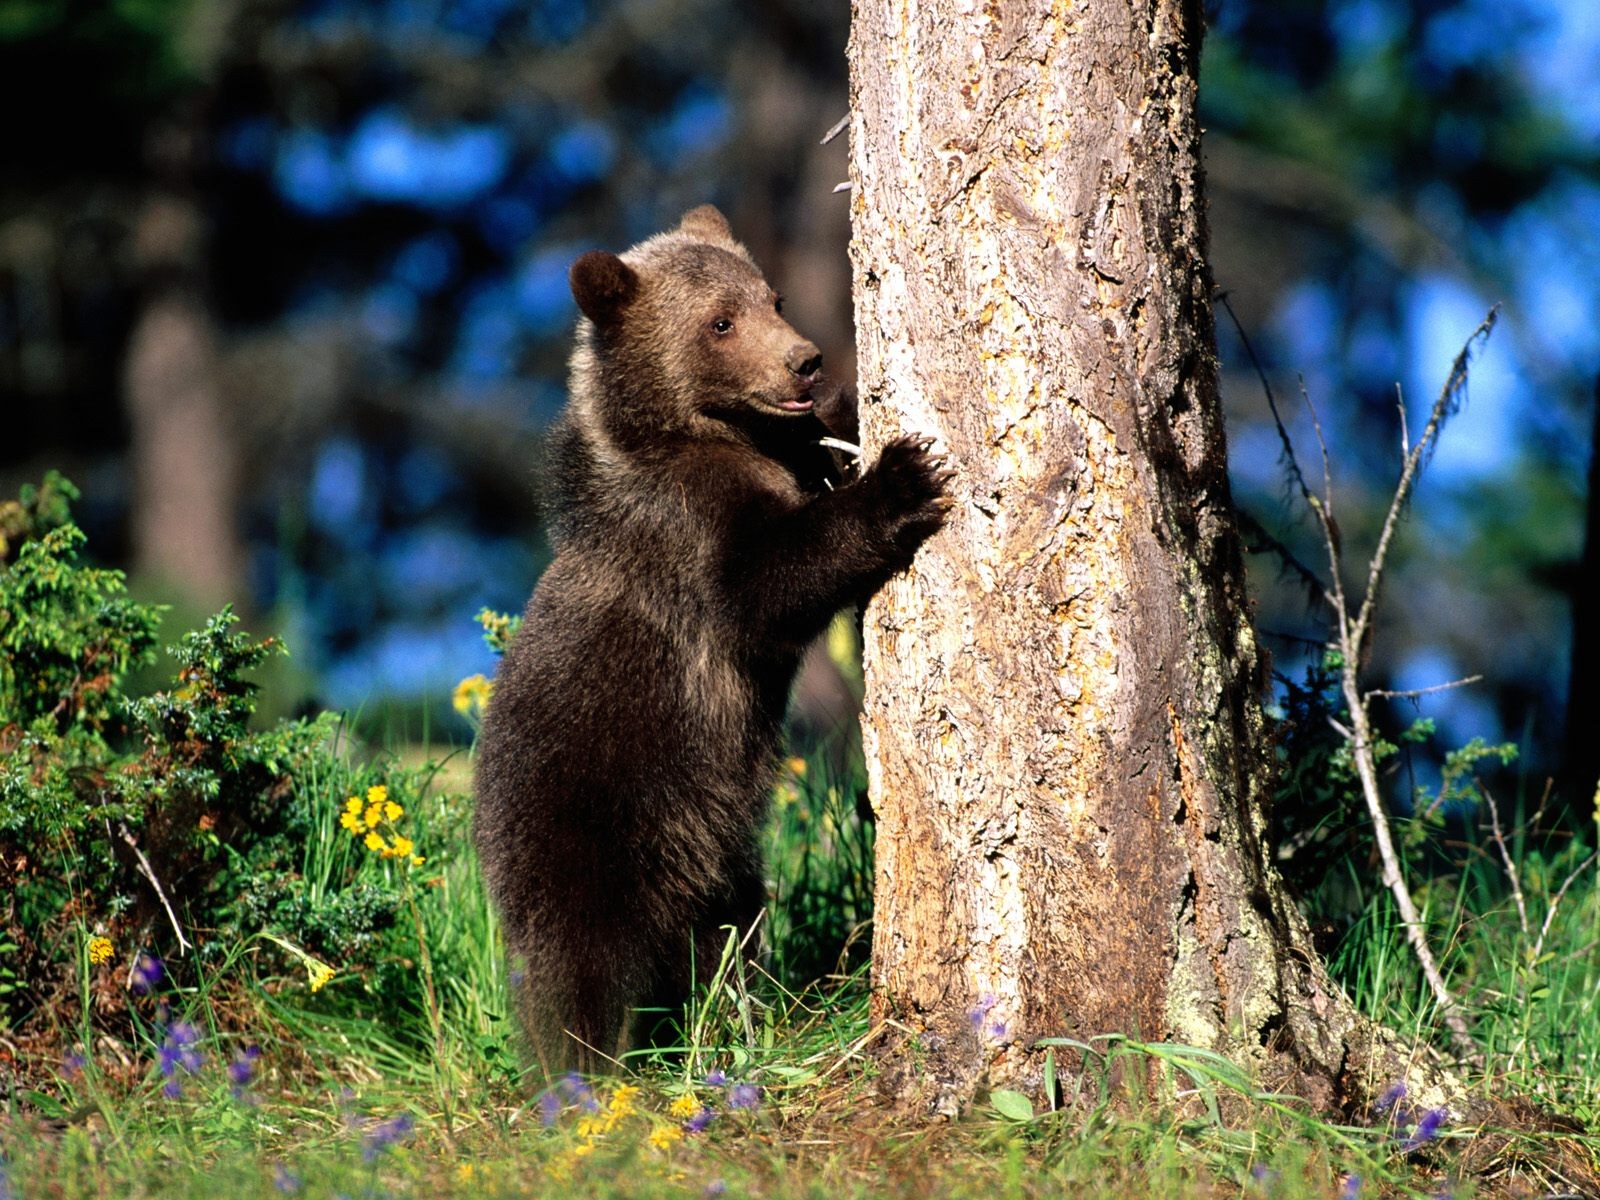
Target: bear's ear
(707, 224)
(603, 285)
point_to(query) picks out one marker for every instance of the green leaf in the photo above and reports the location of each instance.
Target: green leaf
(1013, 1106)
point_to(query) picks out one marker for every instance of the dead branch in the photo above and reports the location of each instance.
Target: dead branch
(1352, 634)
(148, 873)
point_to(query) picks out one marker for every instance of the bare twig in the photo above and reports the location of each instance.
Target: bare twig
(835, 129)
(1555, 903)
(1449, 400)
(1352, 635)
(1286, 557)
(1505, 857)
(1413, 693)
(1405, 429)
(145, 870)
(1272, 400)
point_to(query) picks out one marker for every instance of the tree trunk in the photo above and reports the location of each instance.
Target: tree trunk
(183, 449)
(1063, 724)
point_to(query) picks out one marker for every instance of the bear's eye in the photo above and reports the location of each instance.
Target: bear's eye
(722, 326)
(777, 304)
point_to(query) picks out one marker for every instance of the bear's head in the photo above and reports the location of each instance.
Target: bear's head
(685, 325)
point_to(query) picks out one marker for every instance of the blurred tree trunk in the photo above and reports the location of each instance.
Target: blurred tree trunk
(185, 462)
(1581, 762)
(1063, 723)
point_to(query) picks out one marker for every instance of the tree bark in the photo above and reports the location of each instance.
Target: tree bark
(1063, 726)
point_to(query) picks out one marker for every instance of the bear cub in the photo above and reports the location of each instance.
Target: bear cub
(632, 740)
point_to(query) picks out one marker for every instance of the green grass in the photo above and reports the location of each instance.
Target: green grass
(423, 1037)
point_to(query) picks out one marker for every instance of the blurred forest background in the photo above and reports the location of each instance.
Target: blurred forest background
(283, 288)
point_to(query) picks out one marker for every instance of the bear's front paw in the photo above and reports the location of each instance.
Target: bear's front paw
(912, 486)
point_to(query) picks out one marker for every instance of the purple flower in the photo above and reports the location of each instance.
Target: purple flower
(978, 1014)
(285, 1180)
(178, 1051)
(573, 1087)
(698, 1122)
(1351, 1188)
(72, 1065)
(716, 1079)
(1427, 1128)
(1263, 1174)
(383, 1135)
(242, 1070)
(744, 1095)
(172, 1089)
(1391, 1097)
(715, 1188)
(549, 1109)
(147, 972)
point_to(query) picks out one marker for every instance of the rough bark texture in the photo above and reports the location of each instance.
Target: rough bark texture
(1062, 727)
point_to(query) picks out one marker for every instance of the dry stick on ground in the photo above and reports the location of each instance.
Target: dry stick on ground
(1353, 632)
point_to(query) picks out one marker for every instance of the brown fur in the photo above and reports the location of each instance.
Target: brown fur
(630, 746)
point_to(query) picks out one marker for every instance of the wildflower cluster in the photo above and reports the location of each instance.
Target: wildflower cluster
(696, 1114)
(471, 696)
(179, 1052)
(498, 629)
(371, 820)
(599, 1116)
(100, 949)
(602, 1119)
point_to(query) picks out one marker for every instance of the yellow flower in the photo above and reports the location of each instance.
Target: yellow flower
(685, 1105)
(464, 1172)
(471, 695)
(400, 847)
(352, 822)
(663, 1136)
(321, 973)
(377, 794)
(393, 811)
(374, 816)
(591, 1126)
(797, 766)
(353, 805)
(582, 1149)
(417, 860)
(375, 842)
(99, 949)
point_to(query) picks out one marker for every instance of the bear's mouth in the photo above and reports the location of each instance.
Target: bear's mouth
(798, 405)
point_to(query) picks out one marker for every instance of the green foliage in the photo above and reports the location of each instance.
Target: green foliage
(116, 807)
(1320, 826)
(498, 629)
(341, 926)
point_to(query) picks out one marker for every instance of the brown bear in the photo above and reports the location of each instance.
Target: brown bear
(629, 749)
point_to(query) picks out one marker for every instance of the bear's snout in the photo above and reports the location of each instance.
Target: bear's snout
(804, 360)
